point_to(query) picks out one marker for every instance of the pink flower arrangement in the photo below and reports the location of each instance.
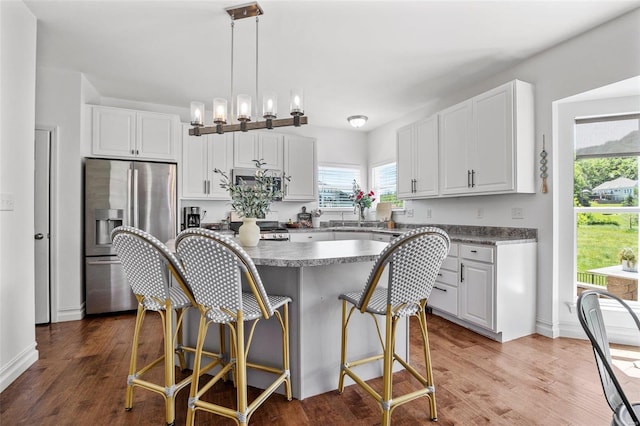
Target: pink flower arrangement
(360, 198)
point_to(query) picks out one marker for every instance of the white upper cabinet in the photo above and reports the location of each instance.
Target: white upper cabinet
(266, 146)
(487, 143)
(417, 154)
(300, 164)
(118, 132)
(455, 147)
(200, 156)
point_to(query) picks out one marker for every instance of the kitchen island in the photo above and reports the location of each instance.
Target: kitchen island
(313, 274)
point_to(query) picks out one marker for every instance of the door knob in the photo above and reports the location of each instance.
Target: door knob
(38, 236)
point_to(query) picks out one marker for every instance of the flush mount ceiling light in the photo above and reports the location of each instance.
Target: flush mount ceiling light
(357, 120)
(243, 117)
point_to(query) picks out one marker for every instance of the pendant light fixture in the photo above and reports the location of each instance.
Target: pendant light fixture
(357, 121)
(243, 106)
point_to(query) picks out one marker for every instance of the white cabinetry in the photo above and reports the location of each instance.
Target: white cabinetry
(251, 146)
(346, 235)
(417, 154)
(301, 237)
(300, 164)
(200, 156)
(495, 288)
(477, 285)
(444, 296)
(118, 132)
(487, 143)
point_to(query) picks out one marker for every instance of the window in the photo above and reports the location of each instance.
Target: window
(605, 197)
(384, 184)
(335, 185)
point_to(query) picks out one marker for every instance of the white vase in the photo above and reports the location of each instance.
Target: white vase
(629, 266)
(249, 232)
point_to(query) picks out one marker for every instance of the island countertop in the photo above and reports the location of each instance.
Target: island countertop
(314, 253)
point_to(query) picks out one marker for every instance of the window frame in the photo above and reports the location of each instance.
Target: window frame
(350, 166)
(601, 209)
(377, 190)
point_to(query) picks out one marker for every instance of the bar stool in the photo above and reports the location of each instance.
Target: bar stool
(149, 266)
(414, 259)
(214, 267)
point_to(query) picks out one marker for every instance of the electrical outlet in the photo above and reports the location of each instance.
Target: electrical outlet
(6, 202)
(409, 212)
(429, 213)
(480, 213)
(517, 213)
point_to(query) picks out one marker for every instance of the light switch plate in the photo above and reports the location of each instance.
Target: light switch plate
(516, 213)
(6, 201)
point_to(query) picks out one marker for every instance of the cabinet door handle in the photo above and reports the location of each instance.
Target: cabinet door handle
(133, 152)
(468, 178)
(438, 288)
(204, 186)
(461, 272)
(474, 251)
(439, 274)
(473, 178)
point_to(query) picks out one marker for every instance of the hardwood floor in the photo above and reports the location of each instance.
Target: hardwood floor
(81, 374)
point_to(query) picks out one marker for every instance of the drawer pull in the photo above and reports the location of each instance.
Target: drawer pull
(461, 272)
(474, 251)
(439, 274)
(441, 289)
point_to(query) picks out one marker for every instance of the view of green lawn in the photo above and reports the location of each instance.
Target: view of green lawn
(599, 244)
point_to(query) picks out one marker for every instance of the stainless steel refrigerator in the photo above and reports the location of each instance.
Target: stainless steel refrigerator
(121, 192)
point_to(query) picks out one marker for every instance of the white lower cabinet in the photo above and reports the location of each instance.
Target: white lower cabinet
(301, 237)
(351, 235)
(444, 296)
(476, 292)
(489, 289)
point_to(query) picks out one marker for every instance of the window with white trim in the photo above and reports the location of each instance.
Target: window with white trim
(385, 185)
(335, 186)
(605, 197)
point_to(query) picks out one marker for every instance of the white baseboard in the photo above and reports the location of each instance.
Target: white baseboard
(18, 365)
(70, 315)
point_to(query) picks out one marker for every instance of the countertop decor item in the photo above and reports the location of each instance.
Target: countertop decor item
(244, 112)
(543, 167)
(253, 201)
(361, 200)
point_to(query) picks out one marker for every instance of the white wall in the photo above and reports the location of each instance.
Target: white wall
(58, 104)
(606, 54)
(17, 104)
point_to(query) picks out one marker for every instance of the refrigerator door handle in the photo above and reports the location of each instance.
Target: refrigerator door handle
(104, 262)
(135, 198)
(129, 199)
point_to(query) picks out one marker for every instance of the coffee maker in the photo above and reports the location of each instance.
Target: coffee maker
(191, 217)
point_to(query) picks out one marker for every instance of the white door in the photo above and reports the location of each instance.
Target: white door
(41, 225)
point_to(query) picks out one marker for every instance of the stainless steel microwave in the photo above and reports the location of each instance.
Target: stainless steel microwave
(249, 177)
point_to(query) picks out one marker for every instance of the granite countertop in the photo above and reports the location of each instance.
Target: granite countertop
(314, 253)
(458, 234)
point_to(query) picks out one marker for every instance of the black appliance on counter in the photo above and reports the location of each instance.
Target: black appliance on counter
(191, 217)
(269, 230)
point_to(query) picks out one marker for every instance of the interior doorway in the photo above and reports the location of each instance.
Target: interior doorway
(42, 221)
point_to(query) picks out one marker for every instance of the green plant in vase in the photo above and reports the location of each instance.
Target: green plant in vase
(253, 201)
(627, 257)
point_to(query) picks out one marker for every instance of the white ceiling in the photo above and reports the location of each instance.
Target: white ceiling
(378, 58)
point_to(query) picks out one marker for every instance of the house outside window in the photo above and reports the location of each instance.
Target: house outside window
(606, 212)
(335, 185)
